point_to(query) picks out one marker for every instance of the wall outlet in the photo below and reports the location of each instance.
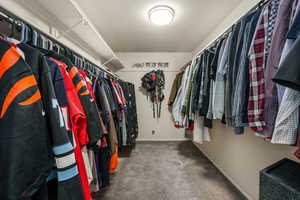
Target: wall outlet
(153, 132)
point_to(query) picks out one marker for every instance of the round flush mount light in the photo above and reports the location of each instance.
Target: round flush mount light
(161, 15)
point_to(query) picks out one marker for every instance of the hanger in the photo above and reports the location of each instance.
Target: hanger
(260, 4)
(35, 38)
(85, 65)
(94, 71)
(23, 33)
(26, 31)
(10, 27)
(81, 63)
(56, 48)
(50, 43)
(43, 42)
(78, 61)
(90, 69)
(38, 40)
(5, 26)
(29, 35)
(74, 60)
(14, 31)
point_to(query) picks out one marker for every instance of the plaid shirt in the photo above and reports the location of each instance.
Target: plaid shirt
(257, 58)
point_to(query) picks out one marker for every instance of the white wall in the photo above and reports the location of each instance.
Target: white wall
(164, 128)
(240, 157)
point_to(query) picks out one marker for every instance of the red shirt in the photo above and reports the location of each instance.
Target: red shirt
(79, 127)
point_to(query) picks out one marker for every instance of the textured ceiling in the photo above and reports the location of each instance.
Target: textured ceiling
(124, 24)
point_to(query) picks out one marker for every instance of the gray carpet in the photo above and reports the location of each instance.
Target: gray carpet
(168, 171)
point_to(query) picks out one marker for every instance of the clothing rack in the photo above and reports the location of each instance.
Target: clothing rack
(229, 30)
(15, 20)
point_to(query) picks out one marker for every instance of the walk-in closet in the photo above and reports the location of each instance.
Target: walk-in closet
(149, 100)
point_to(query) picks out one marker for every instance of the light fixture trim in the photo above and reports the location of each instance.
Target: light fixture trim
(161, 15)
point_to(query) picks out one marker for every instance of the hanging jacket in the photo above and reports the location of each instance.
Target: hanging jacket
(177, 114)
(286, 125)
(213, 72)
(94, 128)
(175, 87)
(71, 188)
(93, 122)
(105, 106)
(62, 147)
(276, 48)
(120, 99)
(257, 61)
(206, 89)
(25, 149)
(130, 112)
(79, 127)
(241, 91)
(91, 90)
(230, 77)
(219, 87)
(190, 113)
(115, 107)
(196, 86)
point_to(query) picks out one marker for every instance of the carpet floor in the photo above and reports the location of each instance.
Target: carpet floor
(168, 171)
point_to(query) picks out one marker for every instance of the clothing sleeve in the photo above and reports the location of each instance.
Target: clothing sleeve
(196, 87)
(80, 127)
(288, 73)
(219, 86)
(101, 103)
(294, 30)
(174, 90)
(215, 61)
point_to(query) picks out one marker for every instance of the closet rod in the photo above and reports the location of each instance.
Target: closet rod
(49, 37)
(229, 29)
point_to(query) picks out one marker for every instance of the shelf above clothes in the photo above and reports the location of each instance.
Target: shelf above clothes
(66, 21)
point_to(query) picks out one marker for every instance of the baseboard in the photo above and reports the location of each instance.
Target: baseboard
(225, 174)
(162, 140)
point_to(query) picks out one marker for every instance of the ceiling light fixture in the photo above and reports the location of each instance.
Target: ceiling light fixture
(161, 15)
